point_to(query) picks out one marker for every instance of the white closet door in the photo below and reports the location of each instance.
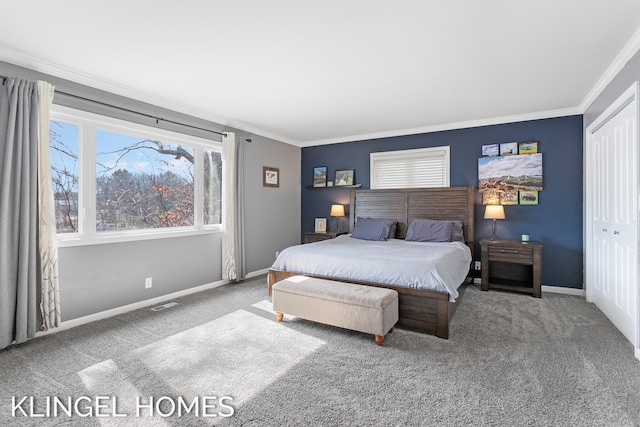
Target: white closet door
(612, 179)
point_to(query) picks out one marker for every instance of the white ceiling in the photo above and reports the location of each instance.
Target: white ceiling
(313, 72)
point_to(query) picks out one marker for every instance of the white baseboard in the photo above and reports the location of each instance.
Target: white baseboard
(563, 290)
(551, 289)
(141, 304)
(637, 353)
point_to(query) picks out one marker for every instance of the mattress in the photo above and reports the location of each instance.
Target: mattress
(433, 266)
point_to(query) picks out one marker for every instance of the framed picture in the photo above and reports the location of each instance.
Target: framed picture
(270, 177)
(509, 198)
(528, 197)
(344, 177)
(490, 150)
(491, 198)
(508, 148)
(528, 147)
(321, 225)
(320, 176)
(510, 173)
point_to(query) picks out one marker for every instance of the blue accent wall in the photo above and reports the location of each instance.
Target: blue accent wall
(556, 221)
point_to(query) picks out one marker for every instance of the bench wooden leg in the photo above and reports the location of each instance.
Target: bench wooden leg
(279, 316)
(379, 340)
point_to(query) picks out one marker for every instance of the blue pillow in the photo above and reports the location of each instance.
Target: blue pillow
(372, 229)
(427, 230)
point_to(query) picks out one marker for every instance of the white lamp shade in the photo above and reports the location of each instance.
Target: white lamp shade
(337, 210)
(494, 212)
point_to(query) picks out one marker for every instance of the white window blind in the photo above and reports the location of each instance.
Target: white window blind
(420, 168)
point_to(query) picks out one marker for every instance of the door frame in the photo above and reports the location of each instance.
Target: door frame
(628, 96)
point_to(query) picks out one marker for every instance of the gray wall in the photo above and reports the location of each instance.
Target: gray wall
(95, 278)
(621, 82)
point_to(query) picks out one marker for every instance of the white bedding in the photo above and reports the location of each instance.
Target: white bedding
(421, 265)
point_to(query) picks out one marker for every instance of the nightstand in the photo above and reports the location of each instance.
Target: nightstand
(310, 236)
(511, 265)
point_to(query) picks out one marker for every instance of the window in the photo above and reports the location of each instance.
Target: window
(116, 180)
(424, 167)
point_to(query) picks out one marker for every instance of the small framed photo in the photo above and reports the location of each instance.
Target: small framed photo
(509, 198)
(491, 198)
(321, 225)
(527, 147)
(508, 148)
(490, 150)
(320, 176)
(345, 177)
(270, 177)
(528, 197)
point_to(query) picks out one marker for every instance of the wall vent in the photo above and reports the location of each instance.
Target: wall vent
(164, 306)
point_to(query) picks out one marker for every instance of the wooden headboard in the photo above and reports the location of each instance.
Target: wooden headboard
(448, 203)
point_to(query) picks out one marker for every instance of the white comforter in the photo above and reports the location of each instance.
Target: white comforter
(422, 265)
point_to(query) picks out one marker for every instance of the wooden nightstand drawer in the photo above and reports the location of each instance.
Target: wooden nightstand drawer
(518, 254)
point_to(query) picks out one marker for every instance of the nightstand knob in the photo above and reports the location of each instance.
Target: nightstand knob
(616, 232)
(604, 229)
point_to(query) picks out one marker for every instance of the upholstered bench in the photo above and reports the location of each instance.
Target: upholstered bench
(360, 308)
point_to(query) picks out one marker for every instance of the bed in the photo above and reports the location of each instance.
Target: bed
(423, 310)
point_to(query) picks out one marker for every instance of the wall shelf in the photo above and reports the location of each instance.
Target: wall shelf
(311, 187)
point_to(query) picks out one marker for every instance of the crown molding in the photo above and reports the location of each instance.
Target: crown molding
(94, 82)
(627, 52)
(448, 126)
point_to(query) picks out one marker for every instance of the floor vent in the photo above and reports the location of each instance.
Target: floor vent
(164, 306)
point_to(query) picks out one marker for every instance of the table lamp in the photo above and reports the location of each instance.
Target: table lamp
(337, 211)
(494, 212)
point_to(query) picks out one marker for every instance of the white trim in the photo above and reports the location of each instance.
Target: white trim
(66, 240)
(563, 290)
(141, 304)
(129, 307)
(446, 126)
(627, 52)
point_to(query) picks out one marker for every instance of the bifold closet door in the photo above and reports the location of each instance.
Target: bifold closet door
(612, 179)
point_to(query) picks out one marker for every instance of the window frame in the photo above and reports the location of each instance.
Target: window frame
(411, 154)
(88, 123)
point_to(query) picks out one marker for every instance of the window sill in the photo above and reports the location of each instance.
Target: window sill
(65, 241)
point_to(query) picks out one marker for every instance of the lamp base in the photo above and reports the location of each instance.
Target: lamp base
(493, 230)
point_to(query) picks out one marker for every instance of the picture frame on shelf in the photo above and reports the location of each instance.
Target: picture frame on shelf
(321, 225)
(320, 176)
(270, 177)
(490, 150)
(508, 148)
(344, 177)
(527, 147)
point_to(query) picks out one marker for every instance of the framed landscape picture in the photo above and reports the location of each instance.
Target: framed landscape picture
(344, 177)
(509, 198)
(528, 147)
(510, 173)
(491, 198)
(490, 150)
(320, 176)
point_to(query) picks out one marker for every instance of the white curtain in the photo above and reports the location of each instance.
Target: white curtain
(48, 245)
(233, 262)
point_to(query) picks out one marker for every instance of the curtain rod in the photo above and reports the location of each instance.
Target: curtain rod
(157, 119)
